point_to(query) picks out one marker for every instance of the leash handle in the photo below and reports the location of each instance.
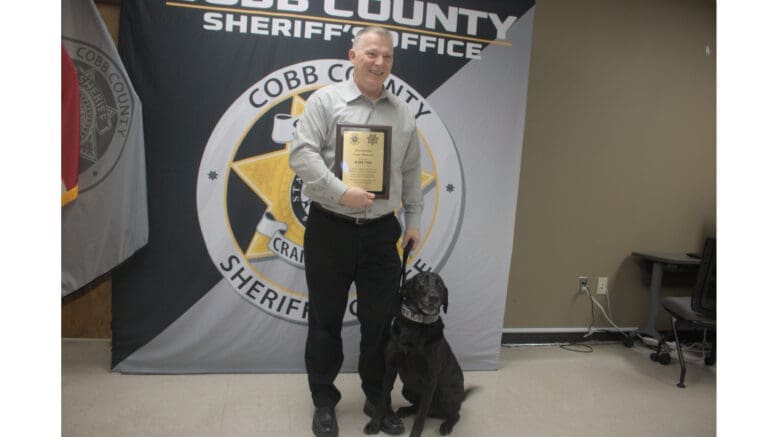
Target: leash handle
(405, 255)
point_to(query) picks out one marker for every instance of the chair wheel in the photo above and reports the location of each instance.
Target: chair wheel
(654, 356)
(664, 359)
(628, 341)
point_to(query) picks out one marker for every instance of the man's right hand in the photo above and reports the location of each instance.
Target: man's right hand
(355, 197)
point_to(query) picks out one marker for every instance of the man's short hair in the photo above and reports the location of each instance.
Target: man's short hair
(381, 32)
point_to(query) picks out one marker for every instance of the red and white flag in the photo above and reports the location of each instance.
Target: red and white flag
(71, 129)
(109, 220)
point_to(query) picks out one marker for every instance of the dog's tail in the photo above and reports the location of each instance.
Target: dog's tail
(469, 390)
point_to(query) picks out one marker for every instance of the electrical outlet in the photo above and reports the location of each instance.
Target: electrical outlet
(582, 284)
(601, 285)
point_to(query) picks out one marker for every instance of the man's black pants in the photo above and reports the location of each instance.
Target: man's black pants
(338, 254)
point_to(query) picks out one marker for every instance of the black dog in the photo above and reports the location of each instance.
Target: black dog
(432, 378)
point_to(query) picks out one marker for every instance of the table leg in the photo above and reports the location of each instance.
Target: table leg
(656, 277)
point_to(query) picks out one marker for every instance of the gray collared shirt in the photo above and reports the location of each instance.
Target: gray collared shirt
(312, 154)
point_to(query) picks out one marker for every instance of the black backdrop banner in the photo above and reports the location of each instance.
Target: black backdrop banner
(220, 285)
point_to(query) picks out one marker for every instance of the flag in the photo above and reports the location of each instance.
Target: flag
(109, 220)
(70, 129)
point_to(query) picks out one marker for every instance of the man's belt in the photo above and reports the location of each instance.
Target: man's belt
(349, 219)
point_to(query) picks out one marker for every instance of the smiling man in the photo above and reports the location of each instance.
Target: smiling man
(352, 228)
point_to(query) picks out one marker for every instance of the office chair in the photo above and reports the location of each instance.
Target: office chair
(697, 310)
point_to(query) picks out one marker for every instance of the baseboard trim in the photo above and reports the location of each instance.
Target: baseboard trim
(539, 336)
(560, 335)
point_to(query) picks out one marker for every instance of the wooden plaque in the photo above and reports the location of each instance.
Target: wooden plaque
(363, 157)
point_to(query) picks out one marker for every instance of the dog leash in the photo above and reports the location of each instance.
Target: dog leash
(405, 256)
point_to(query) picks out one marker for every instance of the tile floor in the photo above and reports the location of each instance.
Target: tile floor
(538, 391)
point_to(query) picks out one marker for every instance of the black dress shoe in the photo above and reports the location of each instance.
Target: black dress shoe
(325, 422)
(391, 423)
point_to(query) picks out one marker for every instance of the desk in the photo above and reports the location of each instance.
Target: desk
(660, 263)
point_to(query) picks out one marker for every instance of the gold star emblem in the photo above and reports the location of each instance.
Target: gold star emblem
(270, 177)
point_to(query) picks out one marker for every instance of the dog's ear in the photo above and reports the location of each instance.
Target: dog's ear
(408, 285)
(445, 299)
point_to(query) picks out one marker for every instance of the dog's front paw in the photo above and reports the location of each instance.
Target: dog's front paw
(372, 427)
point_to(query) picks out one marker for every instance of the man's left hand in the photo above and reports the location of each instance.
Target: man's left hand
(413, 235)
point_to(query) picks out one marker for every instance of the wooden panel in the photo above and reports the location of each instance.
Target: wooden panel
(110, 13)
(86, 313)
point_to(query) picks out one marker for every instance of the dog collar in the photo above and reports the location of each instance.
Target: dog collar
(418, 318)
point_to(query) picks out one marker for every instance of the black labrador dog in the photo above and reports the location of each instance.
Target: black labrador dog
(417, 350)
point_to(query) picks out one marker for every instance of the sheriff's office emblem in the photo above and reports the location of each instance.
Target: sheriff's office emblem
(250, 204)
(107, 106)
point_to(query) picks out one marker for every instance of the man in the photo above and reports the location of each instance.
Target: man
(351, 235)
